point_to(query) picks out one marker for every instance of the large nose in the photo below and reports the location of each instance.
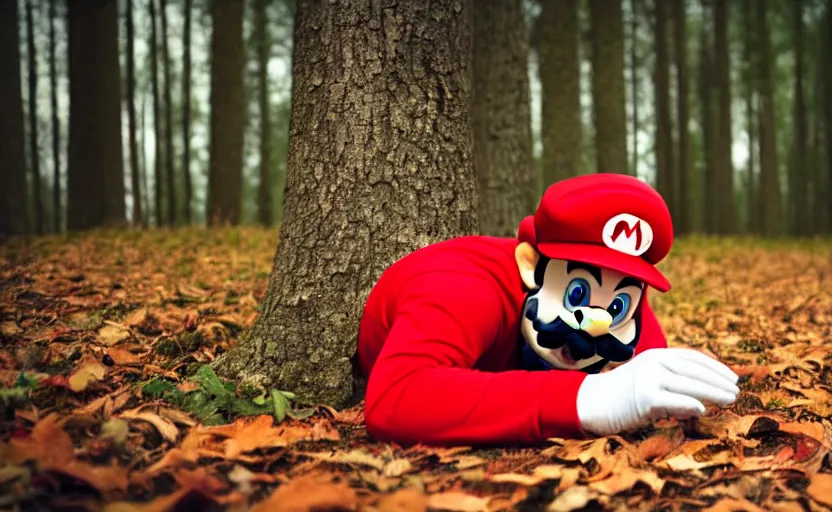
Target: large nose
(593, 321)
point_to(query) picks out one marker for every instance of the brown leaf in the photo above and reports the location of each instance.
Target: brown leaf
(820, 488)
(165, 427)
(248, 434)
(458, 502)
(314, 491)
(112, 334)
(86, 374)
(573, 498)
(733, 505)
(123, 357)
(404, 500)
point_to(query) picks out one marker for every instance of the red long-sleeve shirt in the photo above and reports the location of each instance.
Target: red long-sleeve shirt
(440, 339)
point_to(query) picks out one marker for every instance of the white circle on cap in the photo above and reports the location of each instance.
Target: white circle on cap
(628, 234)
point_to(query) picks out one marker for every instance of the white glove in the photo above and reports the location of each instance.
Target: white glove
(655, 384)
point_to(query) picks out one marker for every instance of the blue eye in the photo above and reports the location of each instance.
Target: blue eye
(577, 294)
(619, 307)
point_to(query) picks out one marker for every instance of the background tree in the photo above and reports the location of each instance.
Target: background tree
(13, 216)
(34, 149)
(683, 197)
(724, 173)
(827, 104)
(799, 186)
(131, 119)
(560, 77)
(261, 36)
(665, 179)
(56, 125)
(770, 196)
(186, 111)
(170, 175)
(227, 113)
(157, 112)
(379, 142)
(608, 94)
(750, 93)
(709, 198)
(501, 117)
(95, 175)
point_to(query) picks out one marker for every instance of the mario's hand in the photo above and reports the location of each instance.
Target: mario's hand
(655, 384)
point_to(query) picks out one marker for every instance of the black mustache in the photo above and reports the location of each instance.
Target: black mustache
(581, 345)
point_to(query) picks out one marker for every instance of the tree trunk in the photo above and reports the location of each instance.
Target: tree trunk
(800, 194)
(827, 70)
(750, 87)
(379, 166)
(665, 183)
(95, 172)
(34, 151)
(560, 80)
(634, 67)
(710, 204)
(157, 122)
(770, 196)
(500, 116)
(261, 37)
(608, 94)
(725, 170)
(131, 120)
(13, 209)
(169, 152)
(143, 163)
(227, 113)
(56, 125)
(186, 111)
(684, 189)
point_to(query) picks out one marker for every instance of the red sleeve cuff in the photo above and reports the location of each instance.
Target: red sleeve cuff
(559, 407)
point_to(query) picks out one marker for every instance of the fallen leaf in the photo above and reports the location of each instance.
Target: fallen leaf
(573, 498)
(110, 334)
(733, 505)
(458, 502)
(404, 500)
(314, 491)
(123, 357)
(397, 467)
(820, 488)
(165, 427)
(85, 375)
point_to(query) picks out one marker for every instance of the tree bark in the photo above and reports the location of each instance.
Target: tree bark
(560, 80)
(800, 194)
(684, 189)
(379, 166)
(264, 190)
(770, 195)
(227, 113)
(34, 150)
(827, 70)
(709, 200)
(186, 111)
(13, 207)
(634, 67)
(750, 86)
(168, 108)
(725, 169)
(608, 93)
(131, 120)
(501, 117)
(95, 187)
(665, 183)
(56, 125)
(157, 122)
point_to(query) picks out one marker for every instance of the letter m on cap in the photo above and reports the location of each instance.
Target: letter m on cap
(628, 234)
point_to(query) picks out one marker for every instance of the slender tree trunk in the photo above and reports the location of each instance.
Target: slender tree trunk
(770, 195)
(168, 109)
(827, 69)
(157, 122)
(710, 203)
(684, 189)
(560, 77)
(802, 221)
(394, 165)
(501, 117)
(34, 151)
(131, 119)
(750, 87)
(143, 163)
(262, 39)
(634, 66)
(13, 208)
(95, 173)
(56, 125)
(725, 171)
(608, 94)
(186, 110)
(227, 113)
(665, 183)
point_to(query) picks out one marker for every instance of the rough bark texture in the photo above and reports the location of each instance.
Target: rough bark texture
(665, 182)
(56, 125)
(706, 101)
(170, 176)
(770, 195)
(186, 112)
(501, 117)
(750, 88)
(34, 150)
(227, 113)
(264, 190)
(133, 147)
(799, 192)
(726, 213)
(560, 79)
(379, 166)
(12, 143)
(684, 190)
(95, 187)
(157, 121)
(608, 93)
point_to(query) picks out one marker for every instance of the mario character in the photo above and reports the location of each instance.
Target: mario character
(453, 334)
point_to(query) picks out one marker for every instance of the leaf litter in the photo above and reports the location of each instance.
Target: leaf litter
(108, 400)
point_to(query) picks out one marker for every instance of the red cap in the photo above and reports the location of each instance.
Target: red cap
(612, 221)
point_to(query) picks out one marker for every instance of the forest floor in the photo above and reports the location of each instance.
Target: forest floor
(106, 402)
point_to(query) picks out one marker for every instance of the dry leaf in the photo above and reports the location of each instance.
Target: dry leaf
(573, 498)
(403, 500)
(85, 375)
(820, 488)
(165, 427)
(458, 502)
(110, 335)
(315, 491)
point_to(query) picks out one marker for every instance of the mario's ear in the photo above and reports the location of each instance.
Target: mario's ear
(526, 256)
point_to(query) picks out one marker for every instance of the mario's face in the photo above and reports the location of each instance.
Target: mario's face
(578, 316)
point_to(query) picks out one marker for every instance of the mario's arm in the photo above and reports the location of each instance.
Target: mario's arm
(423, 389)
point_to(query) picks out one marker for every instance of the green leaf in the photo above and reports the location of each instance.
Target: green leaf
(281, 405)
(158, 387)
(259, 400)
(301, 414)
(212, 384)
